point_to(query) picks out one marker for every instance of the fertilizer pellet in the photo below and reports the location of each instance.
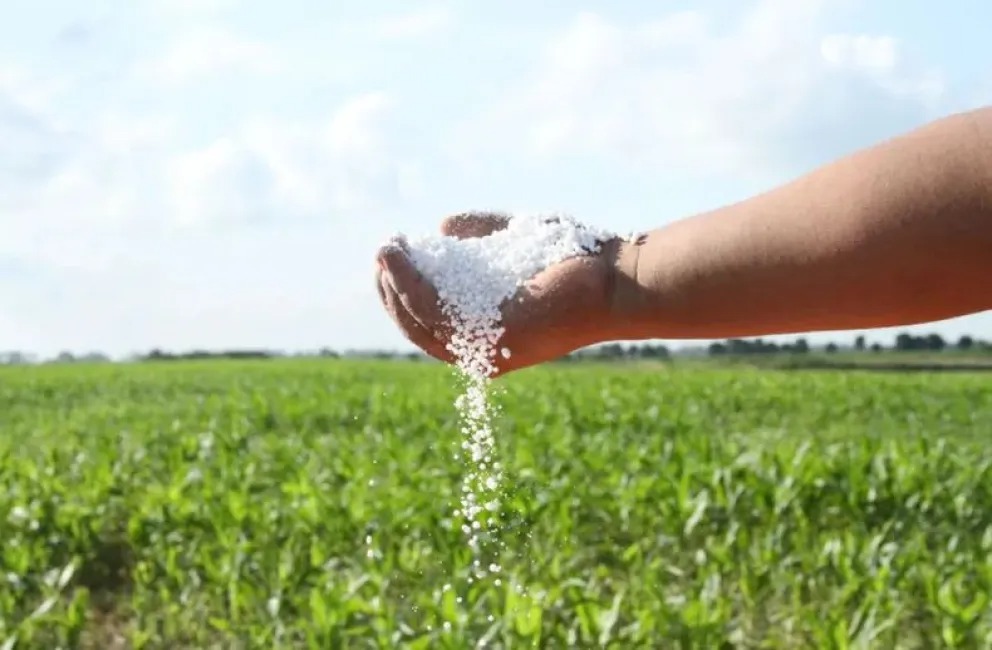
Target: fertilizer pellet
(474, 277)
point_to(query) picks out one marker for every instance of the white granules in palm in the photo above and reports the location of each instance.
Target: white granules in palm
(474, 277)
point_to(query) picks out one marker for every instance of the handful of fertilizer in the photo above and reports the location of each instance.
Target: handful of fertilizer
(476, 275)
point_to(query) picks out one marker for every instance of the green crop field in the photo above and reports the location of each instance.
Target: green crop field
(307, 504)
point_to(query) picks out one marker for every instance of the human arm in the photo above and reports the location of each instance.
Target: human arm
(896, 234)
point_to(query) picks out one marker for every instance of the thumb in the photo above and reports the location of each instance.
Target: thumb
(474, 224)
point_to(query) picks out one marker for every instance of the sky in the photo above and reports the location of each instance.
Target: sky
(218, 173)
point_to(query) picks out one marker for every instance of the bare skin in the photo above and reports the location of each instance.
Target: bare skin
(893, 235)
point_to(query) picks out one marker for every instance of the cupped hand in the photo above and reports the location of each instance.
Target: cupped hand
(563, 308)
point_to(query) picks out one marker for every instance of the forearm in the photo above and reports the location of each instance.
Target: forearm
(897, 234)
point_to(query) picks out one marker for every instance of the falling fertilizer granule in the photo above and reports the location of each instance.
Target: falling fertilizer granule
(474, 277)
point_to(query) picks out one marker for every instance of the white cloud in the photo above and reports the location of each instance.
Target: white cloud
(770, 94)
(876, 53)
(188, 7)
(19, 87)
(93, 190)
(90, 200)
(223, 183)
(35, 145)
(272, 169)
(423, 22)
(122, 133)
(122, 223)
(204, 52)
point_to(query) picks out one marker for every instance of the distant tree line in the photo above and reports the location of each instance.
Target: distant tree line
(903, 343)
(621, 351)
(327, 353)
(759, 346)
(160, 355)
(610, 351)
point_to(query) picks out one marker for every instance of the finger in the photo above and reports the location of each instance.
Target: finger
(416, 294)
(474, 224)
(410, 327)
(378, 284)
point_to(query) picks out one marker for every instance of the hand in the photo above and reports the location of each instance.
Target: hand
(565, 307)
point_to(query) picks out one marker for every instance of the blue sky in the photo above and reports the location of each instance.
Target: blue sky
(218, 173)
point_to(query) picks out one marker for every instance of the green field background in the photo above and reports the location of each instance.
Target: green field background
(307, 504)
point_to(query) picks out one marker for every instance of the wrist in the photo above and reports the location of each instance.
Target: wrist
(625, 300)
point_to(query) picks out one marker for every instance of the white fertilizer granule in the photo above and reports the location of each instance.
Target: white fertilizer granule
(473, 278)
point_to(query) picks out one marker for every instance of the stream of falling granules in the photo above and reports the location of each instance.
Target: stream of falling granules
(473, 278)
